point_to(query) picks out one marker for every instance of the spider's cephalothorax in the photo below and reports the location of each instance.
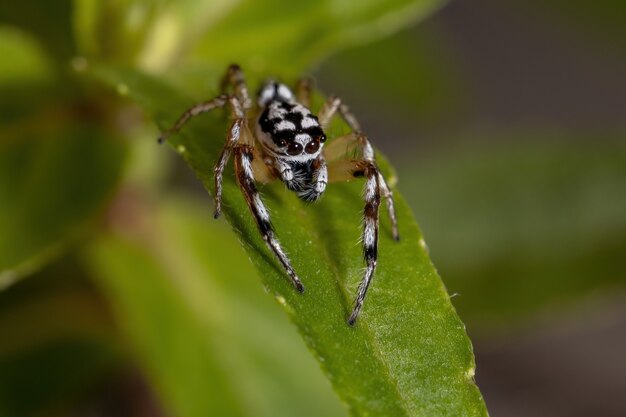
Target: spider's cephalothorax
(289, 132)
(287, 143)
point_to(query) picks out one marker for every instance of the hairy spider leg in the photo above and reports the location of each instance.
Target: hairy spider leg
(331, 107)
(362, 164)
(357, 146)
(238, 125)
(345, 170)
(244, 155)
(234, 78)
(303, 91)
(240, 141)
(238, 129)
(217, 102)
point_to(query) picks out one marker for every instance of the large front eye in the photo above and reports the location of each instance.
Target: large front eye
(294, 149)
(312, 147)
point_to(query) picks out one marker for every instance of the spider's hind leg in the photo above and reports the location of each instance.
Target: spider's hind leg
(217, 102)
(303, 91)
(234, 77)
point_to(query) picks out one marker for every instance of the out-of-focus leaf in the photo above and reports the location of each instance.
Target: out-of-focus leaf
(56, 342)
(33, 380)
(409, 353)
(272, 37)
(23, 60)
(265, 37)
(211, 341)
(49, 21)
(133, 21)
(516, 228)
(410, 69)
(54, 180)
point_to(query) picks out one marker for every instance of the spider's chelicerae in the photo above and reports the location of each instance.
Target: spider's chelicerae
(280, 137)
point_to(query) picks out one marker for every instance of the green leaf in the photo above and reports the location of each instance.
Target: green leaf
(409, 354)
(54, 181)
(49, 21)
(56, 342)
(272, 36)
(266, 37)
(212, 342)
(523, 227)
(23, 60)
(412, 69)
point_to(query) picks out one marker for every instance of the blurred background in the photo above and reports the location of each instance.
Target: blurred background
(506, 123)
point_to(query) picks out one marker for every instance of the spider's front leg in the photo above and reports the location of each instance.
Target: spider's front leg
(355, 146)
(244, 156)
(352, 157)
(346, 170)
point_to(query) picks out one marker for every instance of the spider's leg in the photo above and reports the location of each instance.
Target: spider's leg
(357, 146)
(350, 169)
(303, 91)
(245, 179)
(234, 134)
(331, 107)
(234, 77)
(204, 107)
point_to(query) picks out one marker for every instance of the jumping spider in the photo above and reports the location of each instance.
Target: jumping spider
(281, 138)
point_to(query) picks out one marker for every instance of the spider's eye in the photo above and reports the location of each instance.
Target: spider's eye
(282, 143)
(322, 138)
(312, 146)
(294, 149)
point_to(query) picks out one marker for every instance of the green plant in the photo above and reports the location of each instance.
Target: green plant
(184, 306)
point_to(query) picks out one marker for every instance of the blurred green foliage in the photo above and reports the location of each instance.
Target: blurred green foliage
(50, 195)
(209, 338)
(124, 274)
(523, 228)
(204, 342)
